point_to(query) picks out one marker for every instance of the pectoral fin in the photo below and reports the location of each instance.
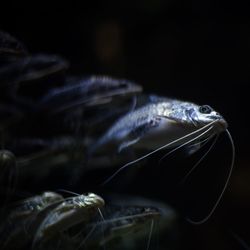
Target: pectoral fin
(191, 149)
(126, 144)
(137, 133)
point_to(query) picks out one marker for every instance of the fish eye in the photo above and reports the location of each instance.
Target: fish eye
(205, 109)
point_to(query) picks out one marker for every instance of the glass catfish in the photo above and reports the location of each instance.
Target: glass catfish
(162, 121)
(165, 123)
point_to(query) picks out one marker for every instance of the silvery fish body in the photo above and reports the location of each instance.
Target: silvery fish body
(68, 213)
(160, 122)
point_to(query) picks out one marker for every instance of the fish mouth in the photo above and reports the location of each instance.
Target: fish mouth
(221, 125)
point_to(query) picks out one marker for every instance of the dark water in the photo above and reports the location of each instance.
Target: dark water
(198, 52)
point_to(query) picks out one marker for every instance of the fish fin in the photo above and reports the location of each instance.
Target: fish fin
(137, 134)
(139, 131)
(192, 149)
(126, 144)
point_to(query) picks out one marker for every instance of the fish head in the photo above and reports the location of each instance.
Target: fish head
(196, 116)
(93, 200)
(203, 115)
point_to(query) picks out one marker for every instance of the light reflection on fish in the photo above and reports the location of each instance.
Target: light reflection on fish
(161, 122)
(20, 219)
(166, 124)
(70, 212)
(89, 91)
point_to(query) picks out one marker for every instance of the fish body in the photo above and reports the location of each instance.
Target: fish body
(88, 92)
(70, 212)
(127, 222)
(34, 204)
(159, 122)
(22, 217)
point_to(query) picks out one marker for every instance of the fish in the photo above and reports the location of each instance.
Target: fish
(127, 221)
(31, 68)
(17, 227)
(160, 122)
(165, 123)
(34, 204)
(88, 92)
(68, 213)
(121, 226)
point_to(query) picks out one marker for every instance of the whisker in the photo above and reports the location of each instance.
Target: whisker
(186, 143)
(126, 217)
(66, 191)
(102, 226)
(100, 212)
(239, 240)
(224, 187)
(156, 150)
(203, 142)
(87, 237)
(150, 234)
(92, 230)
(27, 160)
(199, 161)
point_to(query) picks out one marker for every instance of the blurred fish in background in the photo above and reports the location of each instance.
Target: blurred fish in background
(67, 84)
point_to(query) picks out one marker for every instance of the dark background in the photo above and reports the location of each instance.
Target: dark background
(195, 51)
